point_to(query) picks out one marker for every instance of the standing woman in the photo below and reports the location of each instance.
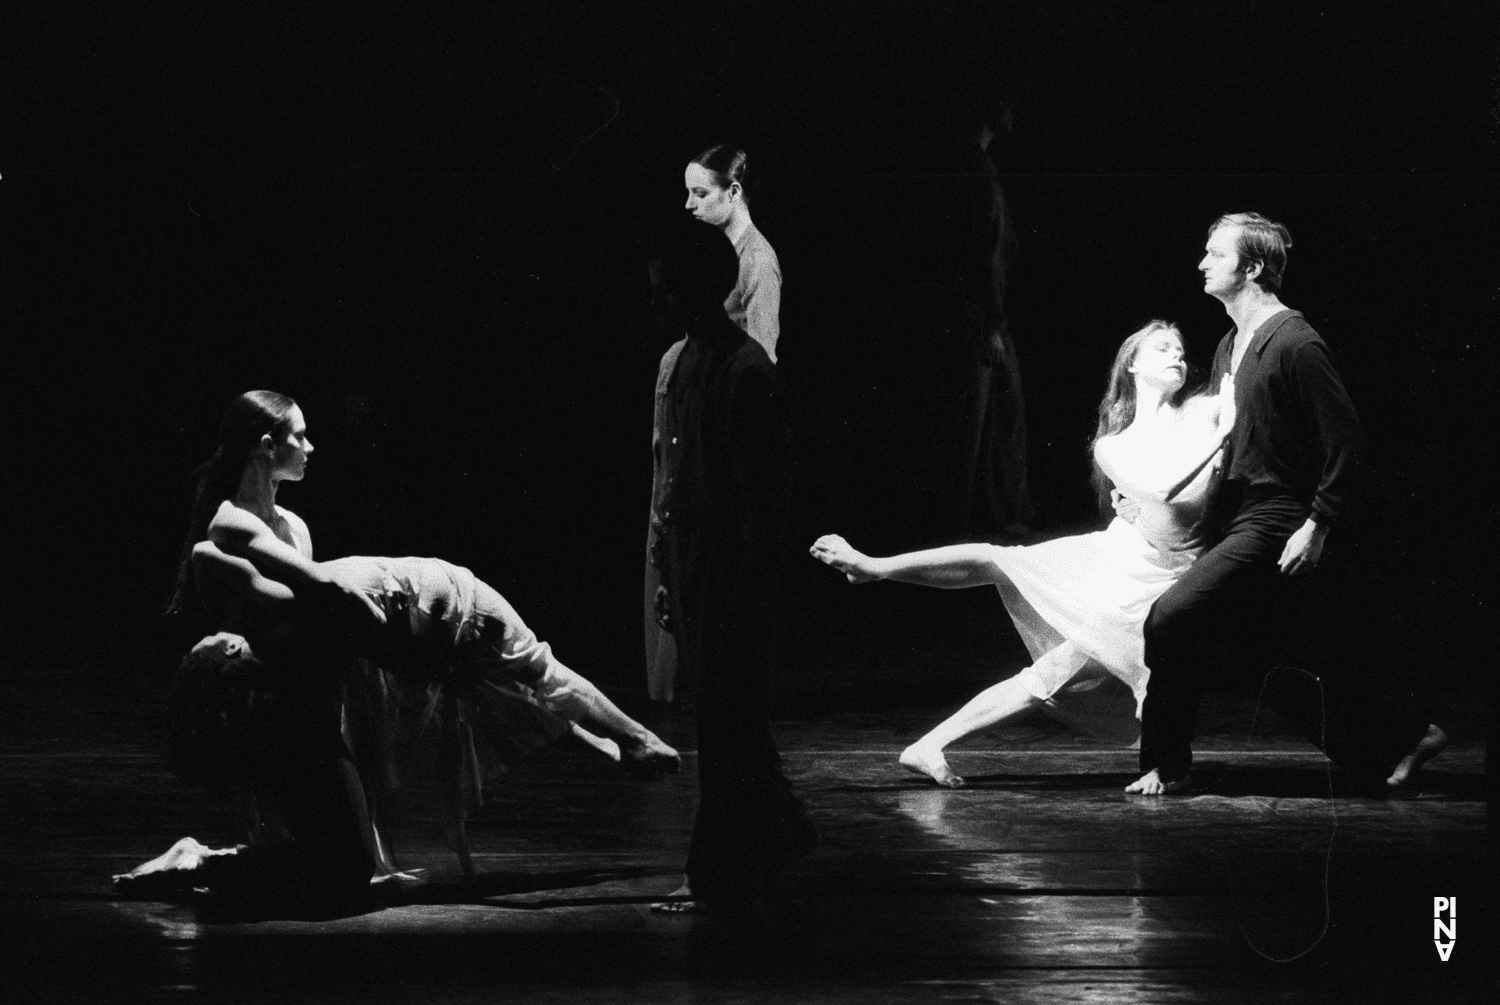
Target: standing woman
(715, 181)
(716, 195)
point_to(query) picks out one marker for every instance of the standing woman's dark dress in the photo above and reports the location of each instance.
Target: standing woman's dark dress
(722, 502)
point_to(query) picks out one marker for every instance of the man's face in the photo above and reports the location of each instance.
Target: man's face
(1222, 275)
(706, 200)
(664, 302)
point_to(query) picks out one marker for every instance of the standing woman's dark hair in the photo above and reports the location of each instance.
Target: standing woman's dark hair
(727, 164)
(249, 417)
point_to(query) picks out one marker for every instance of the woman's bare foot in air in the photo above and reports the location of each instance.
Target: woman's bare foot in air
(932, 763)
(176, 869)
(1150, 784)
(833, 550)
(1426, 749)
(648, 758)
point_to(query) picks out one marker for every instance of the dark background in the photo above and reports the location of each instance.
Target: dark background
(425, 222)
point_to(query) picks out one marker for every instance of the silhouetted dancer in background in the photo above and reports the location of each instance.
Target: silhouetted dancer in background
(941, 246)
(1290, 468)
(721, 499)
(716, 195)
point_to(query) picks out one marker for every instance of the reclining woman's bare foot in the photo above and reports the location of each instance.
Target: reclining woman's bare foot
(1150, 784)
(1431, 744)
(178, 869)
(607, 748)
(680, 901)
(648, 758)
(932, 763)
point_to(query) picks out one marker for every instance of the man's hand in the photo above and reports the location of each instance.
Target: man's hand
(1126, 508)
(1227, 409)
(1303, 549)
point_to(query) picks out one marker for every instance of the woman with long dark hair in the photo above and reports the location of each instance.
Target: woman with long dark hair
(1079, 602)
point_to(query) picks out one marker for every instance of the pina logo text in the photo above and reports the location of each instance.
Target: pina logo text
(1444, 933)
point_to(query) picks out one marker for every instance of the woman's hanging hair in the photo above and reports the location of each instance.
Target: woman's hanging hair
(1117, 409)
(727, 165)
(249, 417)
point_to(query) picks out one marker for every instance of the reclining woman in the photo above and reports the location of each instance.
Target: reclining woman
(1079, 602)
(296, 625)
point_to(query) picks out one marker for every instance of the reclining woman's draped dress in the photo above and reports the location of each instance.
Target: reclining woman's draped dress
(456, 685)
(1079, 604)
(453, 689)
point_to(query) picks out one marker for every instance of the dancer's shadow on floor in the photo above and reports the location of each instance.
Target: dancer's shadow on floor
(259, 906)
(1217, 778)
(1315, 782)
(485, 887)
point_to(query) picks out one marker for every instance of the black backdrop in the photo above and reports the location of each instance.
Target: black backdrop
(425, 223)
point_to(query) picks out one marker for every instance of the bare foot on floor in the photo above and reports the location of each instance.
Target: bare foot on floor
(401, 879)
(1150, 784)
(932, 763)
(649, 759)
(174, 869)
(1426, 749)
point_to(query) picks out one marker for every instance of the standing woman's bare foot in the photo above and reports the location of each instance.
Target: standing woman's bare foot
(1431, 744)
(932, 763)
(1150, 784)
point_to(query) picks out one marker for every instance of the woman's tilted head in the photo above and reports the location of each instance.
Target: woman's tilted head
(1155, 352)
(1150, 346)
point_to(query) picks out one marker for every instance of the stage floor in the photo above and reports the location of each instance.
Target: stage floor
(1277, 880)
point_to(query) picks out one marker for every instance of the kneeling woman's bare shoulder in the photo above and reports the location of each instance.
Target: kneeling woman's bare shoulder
(235, 529)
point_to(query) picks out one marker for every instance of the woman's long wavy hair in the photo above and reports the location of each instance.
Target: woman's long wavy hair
(249, 417)
(1117, 409)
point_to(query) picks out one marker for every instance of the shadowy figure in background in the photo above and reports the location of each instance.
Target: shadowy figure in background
(940, 252)
(716, 195)
(720, 499)
(1290, 474)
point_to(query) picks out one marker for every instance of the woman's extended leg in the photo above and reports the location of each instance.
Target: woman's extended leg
(993, 705)
(565, 692)
(1027, 690)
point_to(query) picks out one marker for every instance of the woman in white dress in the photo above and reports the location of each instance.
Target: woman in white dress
(1079, 602)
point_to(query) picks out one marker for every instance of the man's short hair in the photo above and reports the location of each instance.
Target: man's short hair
(1260, 240)
(699, 262)
(218, 729)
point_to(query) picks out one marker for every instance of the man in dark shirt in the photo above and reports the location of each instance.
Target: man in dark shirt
(1290, 460)
(720, 504)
